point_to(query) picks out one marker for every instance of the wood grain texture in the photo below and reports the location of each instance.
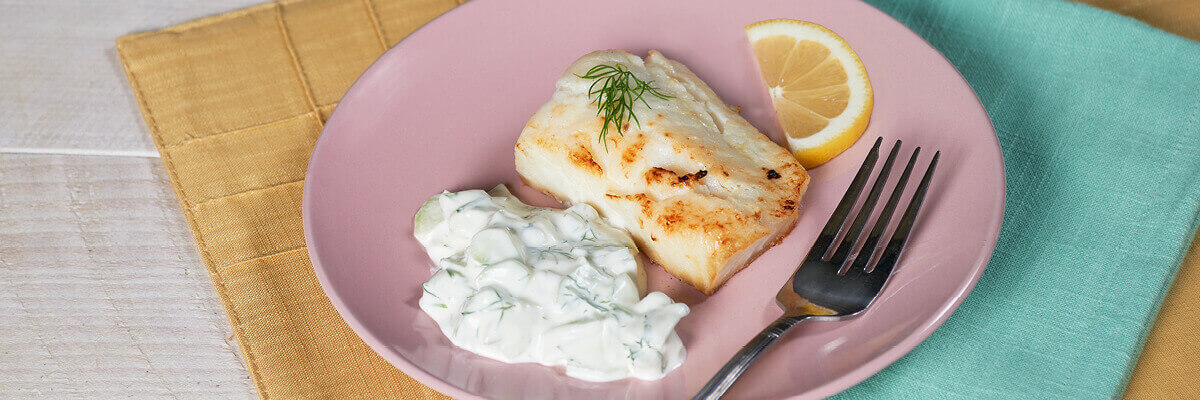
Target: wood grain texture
(102, 293)
(61, 84)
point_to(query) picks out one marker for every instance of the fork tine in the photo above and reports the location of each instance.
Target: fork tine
(852, 236)
(891, 254)
(834, 225)
(885, 217)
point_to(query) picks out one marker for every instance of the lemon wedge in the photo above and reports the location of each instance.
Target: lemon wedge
(818, 86)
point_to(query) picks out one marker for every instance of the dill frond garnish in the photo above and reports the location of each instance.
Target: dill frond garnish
(616, 90)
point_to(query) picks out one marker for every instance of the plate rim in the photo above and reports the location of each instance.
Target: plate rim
(865, 370)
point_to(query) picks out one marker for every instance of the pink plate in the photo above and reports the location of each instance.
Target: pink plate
(442, 110)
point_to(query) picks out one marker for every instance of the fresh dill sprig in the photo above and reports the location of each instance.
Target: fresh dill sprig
(615, 90)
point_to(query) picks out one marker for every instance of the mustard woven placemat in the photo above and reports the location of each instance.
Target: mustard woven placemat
(235, 103)
(1181, 17)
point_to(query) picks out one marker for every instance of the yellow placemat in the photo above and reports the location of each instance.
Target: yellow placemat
(1181, 17)
(235, 103)
(1170, 364)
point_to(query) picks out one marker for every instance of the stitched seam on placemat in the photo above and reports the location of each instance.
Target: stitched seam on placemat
(247, 191)
(256, 258)
(238, 130)
(252, 363)
(371, 12)
(201, 245)
(287, 43)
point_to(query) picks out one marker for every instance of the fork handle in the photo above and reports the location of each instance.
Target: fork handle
(733, 369)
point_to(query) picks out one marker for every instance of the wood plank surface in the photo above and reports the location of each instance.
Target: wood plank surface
(102, 293)
(62, 89)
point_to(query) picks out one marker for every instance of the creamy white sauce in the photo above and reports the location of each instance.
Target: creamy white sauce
(556, 287)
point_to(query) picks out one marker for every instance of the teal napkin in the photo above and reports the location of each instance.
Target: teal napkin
(1099, 119)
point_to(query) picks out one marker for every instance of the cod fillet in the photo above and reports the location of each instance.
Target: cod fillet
(702, 191)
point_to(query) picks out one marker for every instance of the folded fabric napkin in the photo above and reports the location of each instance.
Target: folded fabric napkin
(1096, 113)
(1099, 119)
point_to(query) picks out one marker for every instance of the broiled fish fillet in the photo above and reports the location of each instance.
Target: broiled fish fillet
(701, 190)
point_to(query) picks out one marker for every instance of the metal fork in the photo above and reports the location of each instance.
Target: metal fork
(832, 285)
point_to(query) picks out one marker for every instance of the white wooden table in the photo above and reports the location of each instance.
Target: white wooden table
(102, 293)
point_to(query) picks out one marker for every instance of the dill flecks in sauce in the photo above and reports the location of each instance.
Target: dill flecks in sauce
(556, 287)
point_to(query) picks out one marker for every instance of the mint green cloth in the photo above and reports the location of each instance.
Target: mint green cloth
(1099, 119)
